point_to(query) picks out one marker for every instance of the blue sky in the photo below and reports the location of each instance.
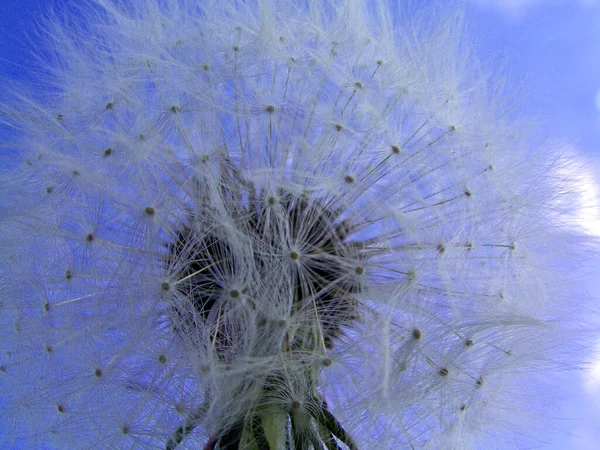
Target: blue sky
(550, 46)
(553, 48)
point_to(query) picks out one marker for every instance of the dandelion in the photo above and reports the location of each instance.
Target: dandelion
(273, 225)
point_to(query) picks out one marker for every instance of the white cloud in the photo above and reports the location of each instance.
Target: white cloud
(518, 8)
(589, 213)
(583, 181)
(592, 379)
(511, 7)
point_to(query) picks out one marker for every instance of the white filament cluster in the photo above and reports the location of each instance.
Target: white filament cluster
(380, 118)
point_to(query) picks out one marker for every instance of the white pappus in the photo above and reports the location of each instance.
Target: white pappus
(274, 225)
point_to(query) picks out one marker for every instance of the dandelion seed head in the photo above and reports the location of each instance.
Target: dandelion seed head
(313, 216)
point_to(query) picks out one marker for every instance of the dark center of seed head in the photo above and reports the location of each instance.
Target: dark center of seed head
(320, 282)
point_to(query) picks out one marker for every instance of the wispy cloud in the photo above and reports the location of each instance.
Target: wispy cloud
(597, 100)
(518, 8)
(583, 181)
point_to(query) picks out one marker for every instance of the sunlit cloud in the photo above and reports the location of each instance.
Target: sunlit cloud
(592, 379)
(589, 213)
(585, 182)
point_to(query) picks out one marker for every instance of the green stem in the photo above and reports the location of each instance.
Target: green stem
(274, 421)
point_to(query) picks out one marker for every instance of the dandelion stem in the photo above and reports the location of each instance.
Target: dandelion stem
(259, 434)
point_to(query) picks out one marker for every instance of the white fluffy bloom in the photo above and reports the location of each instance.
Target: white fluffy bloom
(272, 225)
